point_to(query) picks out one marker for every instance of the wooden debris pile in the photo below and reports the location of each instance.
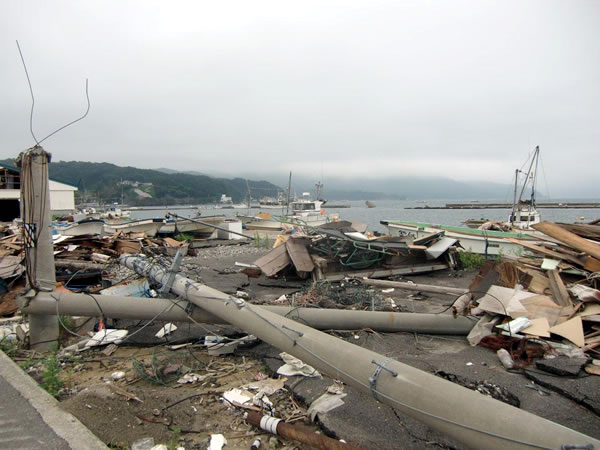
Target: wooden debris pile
(338, 250)
(551, 300)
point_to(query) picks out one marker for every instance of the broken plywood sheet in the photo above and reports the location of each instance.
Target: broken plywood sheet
(590, 310)
(504, 301)
(539, 327)
(571, 330)
(274, 261)
(541, 306)
(559, 291)
(440, 247)
(298, 253)
(538, 283)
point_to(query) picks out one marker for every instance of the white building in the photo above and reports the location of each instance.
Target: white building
(62, 196)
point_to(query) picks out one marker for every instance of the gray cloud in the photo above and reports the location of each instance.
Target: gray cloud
(459, 89)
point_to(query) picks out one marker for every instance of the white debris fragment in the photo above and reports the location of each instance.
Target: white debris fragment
(237, 395)
(387, 291)
(106, 336)
(117, 375)
(167, 329)
(266, 386)
(192, 378)
(217, 442)
(324, 404)
(293, 366)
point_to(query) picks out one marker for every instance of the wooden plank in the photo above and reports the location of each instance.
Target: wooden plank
(546, 252)
(559, 291)
(274, 261)
(568, 238)
(538, 283)
(296, 248)
(592, 264)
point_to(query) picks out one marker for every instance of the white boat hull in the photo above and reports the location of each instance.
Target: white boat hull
(148, 227)
(483, 245)
(84, 228)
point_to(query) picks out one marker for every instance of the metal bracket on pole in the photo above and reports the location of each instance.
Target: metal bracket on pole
(380, 367)
(181, 252)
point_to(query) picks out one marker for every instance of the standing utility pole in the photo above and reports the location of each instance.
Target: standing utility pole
(37, 240)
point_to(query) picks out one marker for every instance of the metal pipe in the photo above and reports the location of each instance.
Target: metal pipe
(296, 433)
(415, 287)
(465, 415)
(143, 308)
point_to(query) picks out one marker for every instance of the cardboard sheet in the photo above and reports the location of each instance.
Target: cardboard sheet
(539, 327)
(505, 301)
(572, 330)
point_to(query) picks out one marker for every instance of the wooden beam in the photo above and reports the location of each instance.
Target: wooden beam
(569, 238)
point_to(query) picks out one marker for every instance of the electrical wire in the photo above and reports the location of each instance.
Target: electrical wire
(32, 96)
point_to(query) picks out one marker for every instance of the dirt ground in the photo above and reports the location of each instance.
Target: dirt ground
(148, 402)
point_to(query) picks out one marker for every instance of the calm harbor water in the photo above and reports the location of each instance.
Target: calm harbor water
(393, 209)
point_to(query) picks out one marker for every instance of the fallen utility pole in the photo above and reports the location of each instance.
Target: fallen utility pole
(415, 287)
(465, 415)
(143, 308)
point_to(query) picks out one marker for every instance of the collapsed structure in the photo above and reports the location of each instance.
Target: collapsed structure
(336, 253)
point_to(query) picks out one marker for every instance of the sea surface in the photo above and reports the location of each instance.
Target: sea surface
(393, 209)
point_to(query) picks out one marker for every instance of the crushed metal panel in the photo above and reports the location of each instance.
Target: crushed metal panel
(440, 247)
(274, 261)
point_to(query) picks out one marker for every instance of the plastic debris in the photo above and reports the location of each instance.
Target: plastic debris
(192, 378)
(505, 358)
(217, 442)
(167, 329)
(117, 375)
(293, 366)
(106, 336)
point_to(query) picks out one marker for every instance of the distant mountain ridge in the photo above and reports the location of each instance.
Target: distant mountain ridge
(106, 183)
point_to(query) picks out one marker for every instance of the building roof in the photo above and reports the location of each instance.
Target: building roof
(16, 169)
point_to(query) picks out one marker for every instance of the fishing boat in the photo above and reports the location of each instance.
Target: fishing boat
(483, 240)
(193, 226)
(309, 212)
(369, 204)
(148, 226)
(261, 222)
(88, 226)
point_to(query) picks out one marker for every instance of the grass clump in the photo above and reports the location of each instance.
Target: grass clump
(182, 237)
(51, 379)
(470, 260)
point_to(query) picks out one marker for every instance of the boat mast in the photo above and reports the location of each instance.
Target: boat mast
(529, 173)
(534, 177)
(514, 208)
(288, 194)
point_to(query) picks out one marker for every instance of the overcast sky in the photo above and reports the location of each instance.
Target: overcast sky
(463, 89)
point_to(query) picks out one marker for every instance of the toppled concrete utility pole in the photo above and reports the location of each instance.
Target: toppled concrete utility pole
(39, 256)
(140, 308)
(467, 416)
